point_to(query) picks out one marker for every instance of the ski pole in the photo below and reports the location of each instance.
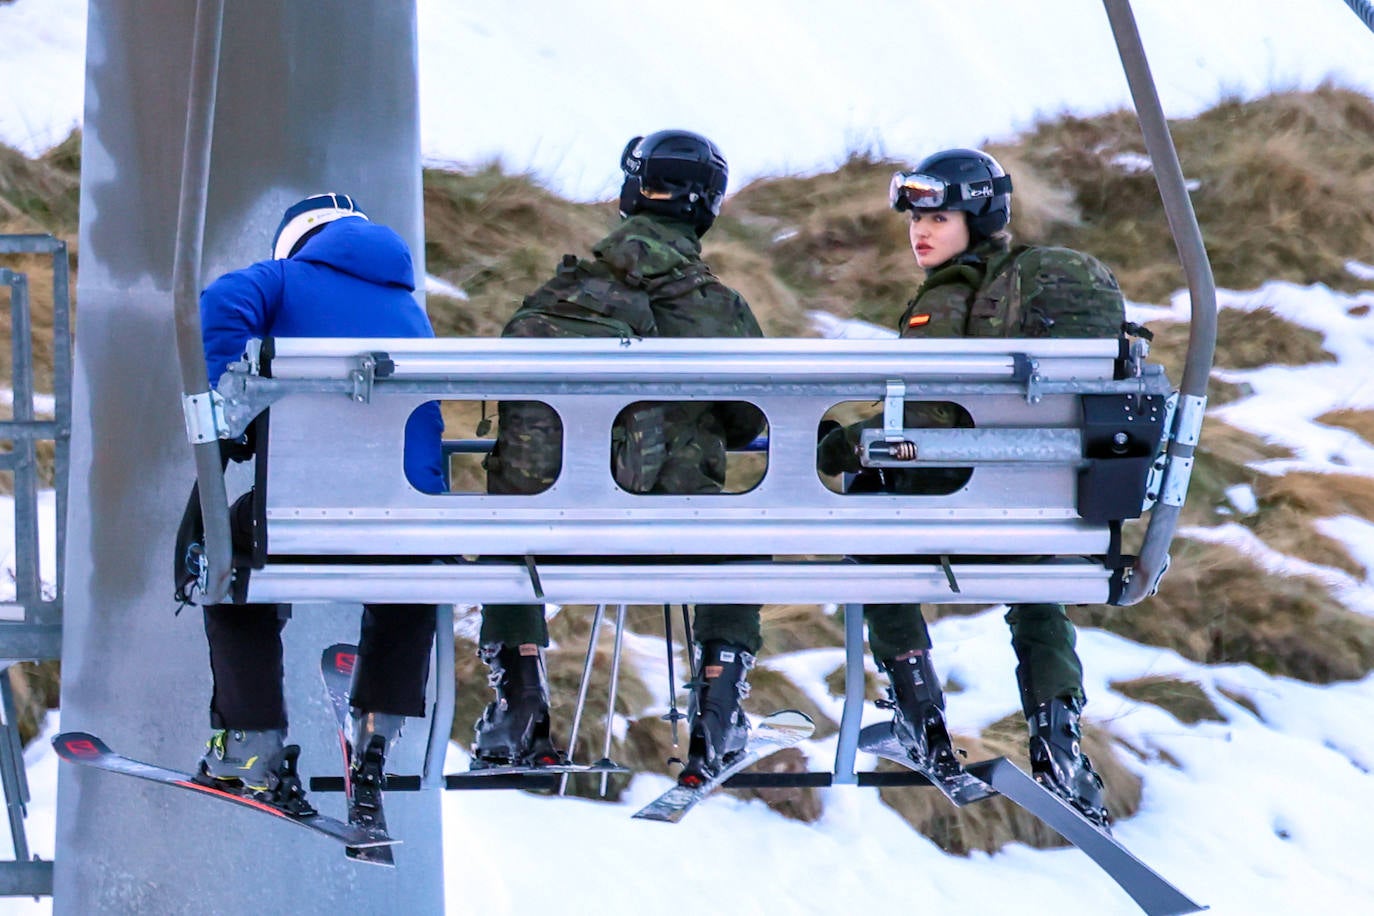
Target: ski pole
(582, 690)
(673, 715)
(610, 701)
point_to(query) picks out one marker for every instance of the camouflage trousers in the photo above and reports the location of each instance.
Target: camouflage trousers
(1042, 636)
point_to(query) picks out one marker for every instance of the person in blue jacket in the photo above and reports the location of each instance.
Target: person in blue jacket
(334, 273)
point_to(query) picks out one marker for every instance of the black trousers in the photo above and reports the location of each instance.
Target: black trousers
(246, 662)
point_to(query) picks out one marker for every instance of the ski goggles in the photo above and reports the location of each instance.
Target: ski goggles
(918, 191)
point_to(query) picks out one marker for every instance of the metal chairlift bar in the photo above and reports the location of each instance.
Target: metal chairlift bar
(1364, 9)
(847, 744)
(1178, 208)
(186, 283)
(24, 457)
(1082, 582)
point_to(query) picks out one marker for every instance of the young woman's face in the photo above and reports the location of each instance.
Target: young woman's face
(938, 235)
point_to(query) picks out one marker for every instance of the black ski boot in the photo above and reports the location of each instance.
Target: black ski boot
(1058, 762)
(514, 728)
(257, 765)
(720, 729)
(370, 736)
(915, 697)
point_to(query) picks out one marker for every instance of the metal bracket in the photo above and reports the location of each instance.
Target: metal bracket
(362, 377)
(1027, 369)
(949, 574)
(894, 411)
(1154, 481)
(252, 356)
(1191, 408)
(371, 366)
(1176, 478)
(204, 415)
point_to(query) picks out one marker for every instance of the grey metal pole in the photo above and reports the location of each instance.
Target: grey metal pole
(1364, 9)
(611, 691)
(28, 587)
(12, 774)
(186, 269)
(852, 717)
(441, 718)
(62, 397)
(1178, 208)
(582, 689)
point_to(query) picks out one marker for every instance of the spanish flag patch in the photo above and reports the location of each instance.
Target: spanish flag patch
(918, 321)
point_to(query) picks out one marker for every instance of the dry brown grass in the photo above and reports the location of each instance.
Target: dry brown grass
(1284, 182)
(1359, 422)
(1186, 701)
(1217, 607)
(1290, 504)
(36, 686)
(1223, 459)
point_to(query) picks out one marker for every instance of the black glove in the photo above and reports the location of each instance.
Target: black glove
(240, 449)
(835, 454)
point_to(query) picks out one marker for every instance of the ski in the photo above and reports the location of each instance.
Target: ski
(336, 668)
(88, 750)
(959, 787)
(780, 730)
(1151, 892)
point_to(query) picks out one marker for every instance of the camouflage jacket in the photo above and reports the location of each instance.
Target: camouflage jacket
(647, 278)
(1026, 291)
(990, 291)
(663, 257)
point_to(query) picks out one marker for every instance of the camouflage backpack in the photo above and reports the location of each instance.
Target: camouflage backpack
(583, 299)
(1035, 291)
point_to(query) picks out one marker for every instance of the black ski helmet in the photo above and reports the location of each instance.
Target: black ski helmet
(964, 179)
(674, 173)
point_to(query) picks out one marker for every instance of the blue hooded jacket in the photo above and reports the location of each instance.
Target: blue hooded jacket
(354, 278)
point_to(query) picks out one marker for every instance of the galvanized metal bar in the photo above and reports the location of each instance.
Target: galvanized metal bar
(582, 689)
(1082, 582)
(62, 399)
(611, 691)
(26, 879)
(38, 430)
(31, 641)
(851, 719)
(12, 775)
(975, 447)
(441, 715)
(28, 587)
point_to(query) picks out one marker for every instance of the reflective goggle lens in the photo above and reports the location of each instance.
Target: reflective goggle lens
(913, 189)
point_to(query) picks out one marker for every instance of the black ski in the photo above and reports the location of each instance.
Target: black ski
(88, 750)
(780, 730)
(336, 668)
(1152, 893)
(959, 787)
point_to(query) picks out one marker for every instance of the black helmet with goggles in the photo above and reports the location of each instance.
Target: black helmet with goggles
(957, 179)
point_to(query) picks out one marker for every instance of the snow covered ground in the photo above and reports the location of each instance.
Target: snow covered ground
(1232, 823)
